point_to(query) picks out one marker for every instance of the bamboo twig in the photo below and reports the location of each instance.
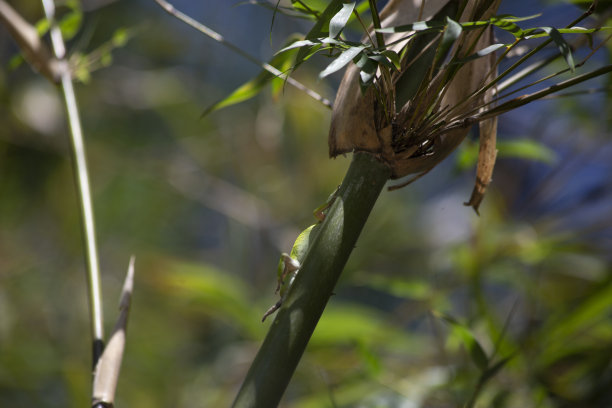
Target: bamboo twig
(170, 9)
(82, 182)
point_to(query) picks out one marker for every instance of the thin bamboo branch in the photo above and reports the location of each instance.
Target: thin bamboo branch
(170, 9)
(82, 183)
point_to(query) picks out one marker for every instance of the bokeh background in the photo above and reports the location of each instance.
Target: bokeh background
(207, 204)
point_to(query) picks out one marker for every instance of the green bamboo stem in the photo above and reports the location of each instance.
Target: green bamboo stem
(82, 183)
(295, 322)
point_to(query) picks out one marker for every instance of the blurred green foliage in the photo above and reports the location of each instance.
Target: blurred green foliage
(525, 290)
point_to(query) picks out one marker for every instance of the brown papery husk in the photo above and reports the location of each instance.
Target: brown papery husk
(355, 124)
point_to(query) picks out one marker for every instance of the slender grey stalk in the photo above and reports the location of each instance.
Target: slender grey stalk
(170, 9)
(82, 184)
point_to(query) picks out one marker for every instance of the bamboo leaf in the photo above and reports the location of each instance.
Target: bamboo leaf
(421, 61)
(514, 19)
(393, 57)
(251, 88)
(320, 29)
(367, 73)
(507, 25)
(526, 149)
(312, 8)
(478, 54)
(451, 34)
(341, 61)
(417, 26)
(562, 45)
(475, 350)
(338, 22)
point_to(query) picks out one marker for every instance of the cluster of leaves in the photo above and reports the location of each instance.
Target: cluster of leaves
(378, 60)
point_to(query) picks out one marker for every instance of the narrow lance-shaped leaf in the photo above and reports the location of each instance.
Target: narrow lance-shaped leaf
(337, 23)
(251, 88)
(479, 54)
(310, 43)
(563, 46)
(474, 348)
(343, 59)
(367, 71)
(451, 34)
(417, 26)
(320, 29)
(526, 149)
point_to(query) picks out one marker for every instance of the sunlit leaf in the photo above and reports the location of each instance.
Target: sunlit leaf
(367, 72)
(481, 53)
(510, 17)
(71, 24)
(527, 149)
(320, 29)
(393, 57)
(417, 26)
(310, 7)
(337, 23)
(341, 61)
(451, 34)
(310, 43)
(251, 88)
(562, 45)
(120, 37)
(42, 26)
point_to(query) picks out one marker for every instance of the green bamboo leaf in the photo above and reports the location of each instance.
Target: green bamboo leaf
(451, 34)
(421, 62)
(417, 26)
(338, 22)
(393, 57)
(475, 350)
(312, 8)
(478, 54)
(514, 19)
(367, 73)
(341, 61)
(562, 45)
(508, 25)
(539, 32)
(320, 29)
(71, 24)
(527, 149)
(42, 26)
(298, 44)
(381, 59)
(120, 37)
(251, 88)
